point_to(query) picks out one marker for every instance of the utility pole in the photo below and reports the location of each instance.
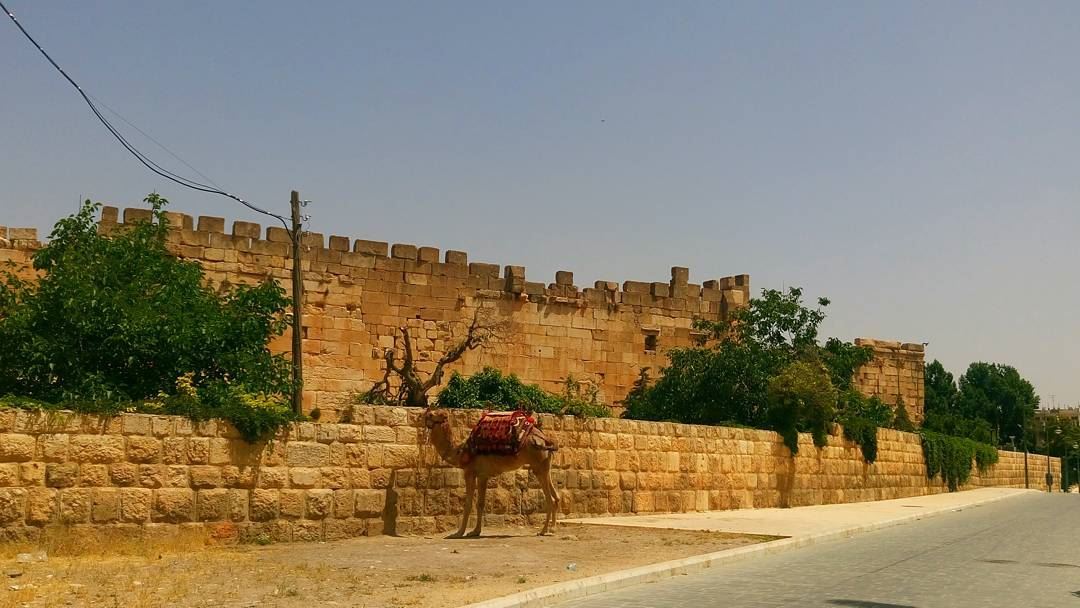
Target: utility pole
(296, 235)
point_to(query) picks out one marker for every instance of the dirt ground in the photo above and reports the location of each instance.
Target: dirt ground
(380, 571)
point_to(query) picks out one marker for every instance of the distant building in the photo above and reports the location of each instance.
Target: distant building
(1062, 413)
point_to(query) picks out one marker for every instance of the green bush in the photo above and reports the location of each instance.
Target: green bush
(115, 320)
(951, 457)
(801, 398)
(861, 417)
(490, 389)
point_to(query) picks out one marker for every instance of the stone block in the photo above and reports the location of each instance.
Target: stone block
(680, 275)
(206, 476)
(213, 505)
(249, 230)
(263, 505)
(661, 290)
(403, 251)
(320, 504)
(9, 475)
(564, 277)
(304, 477)
(375, 248)
(173, 505)
(308, 454)
(207, 223)
(105, 505)
(456, 258)
(343, 503)
(136, 424)
(42, 506)
(339, 243)
(61, 474)
(478, 269)
(135, 505)
(94, 475)
(277, 235)
(52, 447)
(291, 504)
(369, 503)
(123, 474)
(75, 505)
(636, 287)
(12, 506)
(143, 449)
(32, 473)
(428, 254)
(97, 448)
(16, 447)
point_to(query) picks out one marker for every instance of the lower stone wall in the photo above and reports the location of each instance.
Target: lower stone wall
(140, 474)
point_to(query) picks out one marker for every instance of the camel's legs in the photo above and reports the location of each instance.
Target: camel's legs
(551, 496)
(470, 487)
(481, 490)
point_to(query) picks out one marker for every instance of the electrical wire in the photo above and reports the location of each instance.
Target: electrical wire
(141, 157)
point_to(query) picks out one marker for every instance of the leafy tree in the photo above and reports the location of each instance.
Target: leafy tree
(940, 389)
(999, 395)
(843, 359)
(117, 318)
(727, 381)
(801, 398)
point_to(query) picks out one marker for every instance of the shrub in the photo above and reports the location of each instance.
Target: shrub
(114, 321)
(801, 398)
(861, 417)
(490, 389)
(902, 420)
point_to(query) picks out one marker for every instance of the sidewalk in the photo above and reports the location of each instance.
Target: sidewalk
(811, 521)
(802, 526)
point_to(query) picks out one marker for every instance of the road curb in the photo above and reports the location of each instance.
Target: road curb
(543, 596)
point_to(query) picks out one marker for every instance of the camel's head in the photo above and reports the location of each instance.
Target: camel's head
(434, 418)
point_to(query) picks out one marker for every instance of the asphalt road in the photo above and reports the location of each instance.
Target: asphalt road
(1019, 552)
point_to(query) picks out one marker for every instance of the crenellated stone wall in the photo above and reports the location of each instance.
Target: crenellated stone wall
(139, 474)
(358, 293)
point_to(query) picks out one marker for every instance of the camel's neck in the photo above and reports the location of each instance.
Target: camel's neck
(443, 440)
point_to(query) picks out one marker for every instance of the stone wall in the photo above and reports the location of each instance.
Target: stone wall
(897, 372)
(358, 293)
(140, 474)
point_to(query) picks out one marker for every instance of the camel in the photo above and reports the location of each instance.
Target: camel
(536, 453)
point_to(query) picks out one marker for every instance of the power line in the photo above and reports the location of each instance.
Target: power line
(141, 157)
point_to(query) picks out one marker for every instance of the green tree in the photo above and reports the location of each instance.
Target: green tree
(727, 381)
(801, 398)
(941, 393)
(117, 318)
(999, 395)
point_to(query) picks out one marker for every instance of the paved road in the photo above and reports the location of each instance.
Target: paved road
(1019, 552)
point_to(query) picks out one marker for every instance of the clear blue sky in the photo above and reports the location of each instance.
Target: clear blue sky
(918, 163)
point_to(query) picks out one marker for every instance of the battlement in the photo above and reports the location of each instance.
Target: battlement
(19, 238)
(206, 238)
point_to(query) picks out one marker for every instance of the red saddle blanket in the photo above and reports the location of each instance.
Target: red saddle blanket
(500, 432)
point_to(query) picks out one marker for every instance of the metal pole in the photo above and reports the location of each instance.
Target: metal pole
(297, 306)
(1023, 437)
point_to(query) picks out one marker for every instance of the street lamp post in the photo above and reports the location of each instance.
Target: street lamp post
(1023, 438)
